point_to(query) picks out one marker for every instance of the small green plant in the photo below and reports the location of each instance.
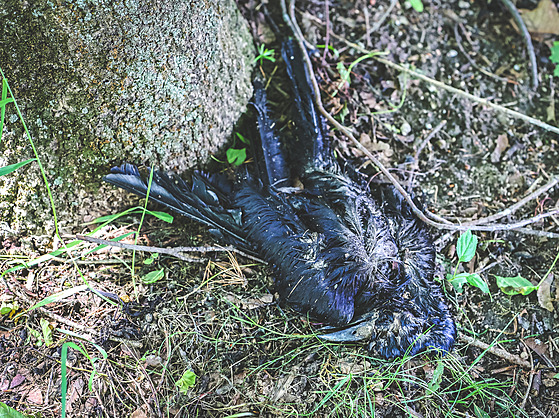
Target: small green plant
(153, 276)
(64, 375)
(345, 73)
(237, 156)
(8, 412)
(517, 285)
(465, 250)
(417, 5)
(187, 381)
(264, 54)
(554, 57)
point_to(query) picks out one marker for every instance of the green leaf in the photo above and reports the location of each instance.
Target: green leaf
(344, 73)
(457, 281)
(476, 280)
(236, 156)
(64, 377)
(480, 413)
(7, 308)
(47, 332)
(37, 335)
(153, 276)
(151, 259)
(109, 218)
(466, 246)
(473, 279)
(554, 57)
(4, 102)
(417, 5)
(264, 53)
(517, 285)
(13, 167)
(187, 381)
(161, 215)
(435, 382)
(7, 412)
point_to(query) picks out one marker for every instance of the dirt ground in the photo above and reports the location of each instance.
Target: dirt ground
(217, 319)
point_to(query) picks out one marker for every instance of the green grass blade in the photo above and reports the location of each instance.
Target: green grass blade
(13, 167)
(59, 296)
(4, 101)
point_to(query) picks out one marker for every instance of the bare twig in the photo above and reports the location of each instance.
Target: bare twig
(510, 210)
(531, 380)
(513, 358)
(428, 138)
(68, 322)
(427, 217)
(454, 90)
(175, 252)
(379, 23)
(327, 37)
(420, 149)
(527, 39)
(367, 27)
(470, 60)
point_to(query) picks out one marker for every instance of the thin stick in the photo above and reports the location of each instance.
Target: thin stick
(499, 352)
(175, 252)
(428, 138)
(531, 380)
(379, 23)
(470, 60)
(427, 217)
(527, 39)
(327, 37)
(454, 90)
(510, 210)
(420, 149)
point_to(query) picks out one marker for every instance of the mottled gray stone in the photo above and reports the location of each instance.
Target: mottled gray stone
(103, 81)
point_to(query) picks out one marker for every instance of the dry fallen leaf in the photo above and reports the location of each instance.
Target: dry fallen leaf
(544, 293)
(139, 413)
(543, 19)
(501, 146)
(17, 380)
(35, 396)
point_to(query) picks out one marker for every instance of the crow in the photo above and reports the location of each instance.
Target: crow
(353, 258)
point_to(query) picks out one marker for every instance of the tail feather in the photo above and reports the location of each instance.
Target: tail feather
(311, 131)
(201, 202)
(276, 169)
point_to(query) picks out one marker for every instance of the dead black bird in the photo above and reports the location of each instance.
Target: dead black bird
(361, 264)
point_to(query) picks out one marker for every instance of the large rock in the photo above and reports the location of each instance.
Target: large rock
(103, 81)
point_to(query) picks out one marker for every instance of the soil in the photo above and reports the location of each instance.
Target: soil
(217, 318)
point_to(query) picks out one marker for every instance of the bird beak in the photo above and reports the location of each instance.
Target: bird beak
(357, 332)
